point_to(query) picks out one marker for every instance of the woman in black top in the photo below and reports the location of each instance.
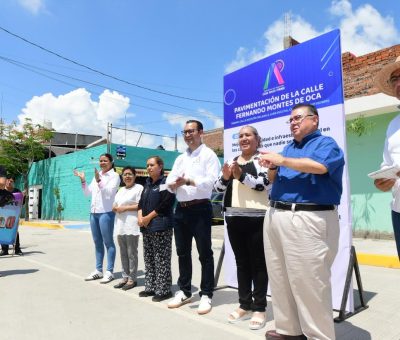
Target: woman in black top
(155, 218)
(245, 229)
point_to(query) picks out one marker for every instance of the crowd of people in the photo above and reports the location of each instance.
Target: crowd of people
(290, 245)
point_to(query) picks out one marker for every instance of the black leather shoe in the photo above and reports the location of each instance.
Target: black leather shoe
(120, 284)
(129, 285)
(19, 252)
(159, 298)
(143, 293)
(2, 253)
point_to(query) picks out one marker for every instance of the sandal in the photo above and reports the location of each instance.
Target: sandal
(238, 315)
(258, 320)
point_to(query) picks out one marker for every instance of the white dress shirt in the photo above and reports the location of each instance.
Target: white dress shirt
(202, 167)
(391, 156)
(126, 223)
(103, 193)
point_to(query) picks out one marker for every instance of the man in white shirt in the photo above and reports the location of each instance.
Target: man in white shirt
(192, 178)
(388, 81)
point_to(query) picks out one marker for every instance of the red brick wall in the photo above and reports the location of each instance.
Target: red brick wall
(214, 139)
(358, 81)
(359, 72)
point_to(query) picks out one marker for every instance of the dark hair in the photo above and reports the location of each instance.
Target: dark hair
(310, 107)
(160, 163)
(199, 124)
(3, 171)
(109, 156)
(131, 168)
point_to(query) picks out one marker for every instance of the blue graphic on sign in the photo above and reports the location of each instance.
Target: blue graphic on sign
(308, 72)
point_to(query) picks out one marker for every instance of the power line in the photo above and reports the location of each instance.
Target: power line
(103, 73)
(29, 68)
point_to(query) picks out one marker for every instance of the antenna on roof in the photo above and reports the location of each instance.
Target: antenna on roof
(287, 39)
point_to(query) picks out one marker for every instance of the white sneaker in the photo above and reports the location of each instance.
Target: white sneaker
(94, 276)
(180, 299)
(205, 305)
(108, 277)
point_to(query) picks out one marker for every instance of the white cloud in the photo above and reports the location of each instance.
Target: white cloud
(180, 120)
(33, 6)
(363, 30)
(77, 112)
(217, 121)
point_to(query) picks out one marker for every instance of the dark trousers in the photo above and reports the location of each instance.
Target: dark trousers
(5, 247)
(246, 238)
(194, 221)
(396, 229)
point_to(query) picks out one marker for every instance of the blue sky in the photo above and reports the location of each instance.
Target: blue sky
(180, 47)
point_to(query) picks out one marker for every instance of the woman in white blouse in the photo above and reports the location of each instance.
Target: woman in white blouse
(126, 227)
(103, 188)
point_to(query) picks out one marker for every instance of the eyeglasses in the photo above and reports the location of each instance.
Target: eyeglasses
(188, 132)
(128, 175)
(393, 80)
(298, 119)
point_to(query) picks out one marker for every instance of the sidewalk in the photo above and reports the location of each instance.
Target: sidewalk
(45, 293)
(381, 253)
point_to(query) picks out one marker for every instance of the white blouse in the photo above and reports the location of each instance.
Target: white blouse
(126, 223)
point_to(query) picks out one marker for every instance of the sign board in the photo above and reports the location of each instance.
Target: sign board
(262, 95)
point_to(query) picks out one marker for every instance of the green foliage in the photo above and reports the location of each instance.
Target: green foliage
(59, 207)
(219, 152)
(359, 126)
(20, 147)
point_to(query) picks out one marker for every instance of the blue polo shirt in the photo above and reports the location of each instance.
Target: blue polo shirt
(298, 187)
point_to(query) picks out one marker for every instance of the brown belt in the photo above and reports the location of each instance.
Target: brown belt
(193, 202)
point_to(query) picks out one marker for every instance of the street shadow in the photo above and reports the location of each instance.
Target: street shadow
(118, 275)
(29, 253)
(346, 330)
(368, 296)
(18, 272)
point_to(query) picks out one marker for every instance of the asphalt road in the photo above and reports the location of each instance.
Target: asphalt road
(44, 296)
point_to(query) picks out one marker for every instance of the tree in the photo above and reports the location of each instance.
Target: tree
(20, 147)
(59, 206)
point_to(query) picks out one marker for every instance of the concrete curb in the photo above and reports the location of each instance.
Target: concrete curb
(41, 225)
(386, 261)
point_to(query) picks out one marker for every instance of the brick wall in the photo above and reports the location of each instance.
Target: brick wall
(359, 72)
(214, 139)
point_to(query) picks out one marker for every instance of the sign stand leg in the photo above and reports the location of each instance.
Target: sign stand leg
(353, 264)
(218, 269)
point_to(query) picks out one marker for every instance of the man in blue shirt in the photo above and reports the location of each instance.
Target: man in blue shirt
(302, 228)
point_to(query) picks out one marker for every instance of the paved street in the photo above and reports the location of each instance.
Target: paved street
(45, 297)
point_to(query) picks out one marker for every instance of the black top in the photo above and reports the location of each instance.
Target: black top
(161, 202)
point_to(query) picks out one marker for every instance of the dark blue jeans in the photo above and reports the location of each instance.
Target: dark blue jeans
(194, 221)
(396, 229)
(102, 225)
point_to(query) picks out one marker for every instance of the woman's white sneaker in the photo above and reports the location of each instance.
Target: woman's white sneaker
(108, 277)
(179, 299)
(205, 305)
(94, 276)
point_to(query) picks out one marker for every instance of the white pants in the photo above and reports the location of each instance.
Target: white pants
(299, 249)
